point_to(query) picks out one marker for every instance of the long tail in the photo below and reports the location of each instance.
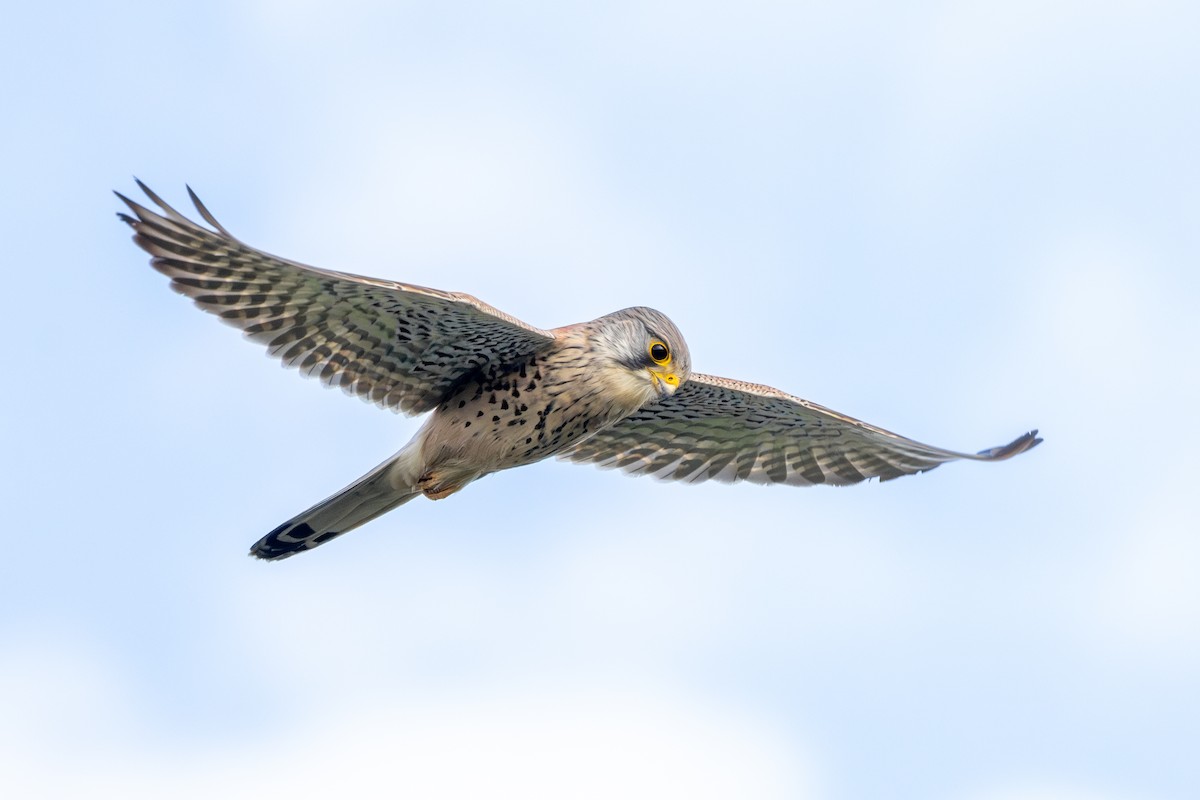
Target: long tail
(389, 485)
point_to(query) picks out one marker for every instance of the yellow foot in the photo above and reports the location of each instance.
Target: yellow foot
(434, 487)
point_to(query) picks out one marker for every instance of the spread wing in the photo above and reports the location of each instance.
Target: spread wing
(397, 345)
(725, 430)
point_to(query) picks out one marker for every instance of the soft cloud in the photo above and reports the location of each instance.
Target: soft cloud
(587, 741)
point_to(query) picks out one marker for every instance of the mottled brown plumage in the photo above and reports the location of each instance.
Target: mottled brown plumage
(617, 391)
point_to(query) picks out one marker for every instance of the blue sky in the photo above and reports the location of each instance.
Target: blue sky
(957, 221)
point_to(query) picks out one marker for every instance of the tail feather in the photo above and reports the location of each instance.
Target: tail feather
(379, 491)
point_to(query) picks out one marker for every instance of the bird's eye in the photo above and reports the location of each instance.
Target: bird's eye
(659, 353)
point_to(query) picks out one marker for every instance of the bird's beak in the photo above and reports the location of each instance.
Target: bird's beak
(665, 383)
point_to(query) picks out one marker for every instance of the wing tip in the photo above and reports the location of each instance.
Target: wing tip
(205, 213)
(1017, 446)
(165, 211)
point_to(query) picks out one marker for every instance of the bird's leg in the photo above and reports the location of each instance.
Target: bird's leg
(436, 484)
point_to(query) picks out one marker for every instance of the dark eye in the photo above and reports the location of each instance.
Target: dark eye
(659, 353)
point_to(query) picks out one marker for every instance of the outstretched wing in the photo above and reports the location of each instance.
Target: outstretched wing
(719, 429)
(397, 345)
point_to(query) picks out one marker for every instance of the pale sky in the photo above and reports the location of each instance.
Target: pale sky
(956, 221)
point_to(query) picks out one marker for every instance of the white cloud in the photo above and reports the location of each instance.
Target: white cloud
(581, 740)
(546, 742)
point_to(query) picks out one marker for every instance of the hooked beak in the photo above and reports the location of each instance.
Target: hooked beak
(665, 383)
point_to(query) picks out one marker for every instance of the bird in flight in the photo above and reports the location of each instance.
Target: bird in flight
(618, 391)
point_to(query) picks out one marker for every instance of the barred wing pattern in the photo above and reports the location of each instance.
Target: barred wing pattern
(720, 429)
(397, 345)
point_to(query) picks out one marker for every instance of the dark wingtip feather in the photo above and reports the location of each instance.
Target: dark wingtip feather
(132, 205)
(140, 211)
(204, 212)
(162, 204)
(1017, 446)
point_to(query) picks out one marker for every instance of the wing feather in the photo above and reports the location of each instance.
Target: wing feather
(719, 429)
(398, 345)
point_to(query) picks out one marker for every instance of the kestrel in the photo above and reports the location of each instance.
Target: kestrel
(618, 391)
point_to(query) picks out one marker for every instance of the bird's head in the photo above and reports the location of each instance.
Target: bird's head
(647, 355)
